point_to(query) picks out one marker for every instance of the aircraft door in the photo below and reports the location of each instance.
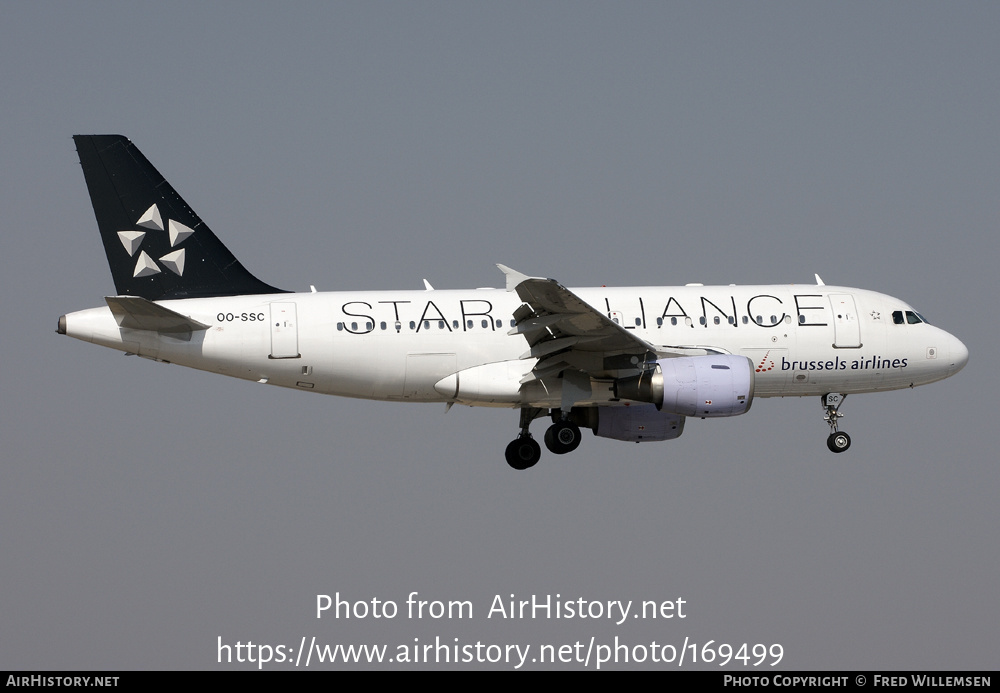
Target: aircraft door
(284, 332)
(846, 326)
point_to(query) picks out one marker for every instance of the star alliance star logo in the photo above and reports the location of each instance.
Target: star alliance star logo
(876, 315)
(145, 266)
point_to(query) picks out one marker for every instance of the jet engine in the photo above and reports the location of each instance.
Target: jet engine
(717, 385)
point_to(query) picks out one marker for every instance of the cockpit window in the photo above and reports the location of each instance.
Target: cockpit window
(911, 317)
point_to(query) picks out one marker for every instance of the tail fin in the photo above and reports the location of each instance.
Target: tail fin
(158, 248)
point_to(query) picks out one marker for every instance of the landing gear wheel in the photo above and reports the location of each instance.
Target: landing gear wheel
(523, 452)
(838, 442)
(562, 437)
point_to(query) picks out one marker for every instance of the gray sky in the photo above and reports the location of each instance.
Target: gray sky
(147, 510)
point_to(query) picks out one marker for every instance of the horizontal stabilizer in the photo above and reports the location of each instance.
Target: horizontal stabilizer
(135, 313)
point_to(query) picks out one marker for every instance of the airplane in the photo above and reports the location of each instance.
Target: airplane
(631, 364)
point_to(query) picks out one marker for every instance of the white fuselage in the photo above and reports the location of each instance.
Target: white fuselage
(454, 346)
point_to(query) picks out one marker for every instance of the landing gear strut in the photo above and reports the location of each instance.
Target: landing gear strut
(838, 440)
(524, 452)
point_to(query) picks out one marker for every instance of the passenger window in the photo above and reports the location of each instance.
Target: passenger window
(499, 323)
(440, 324)
(382, 325)
(454, 323)
(369, 326)
(486, 323)
(717, 321)
(354, 326)
(673, 321)
(702, 320)
(340, 327)
(413, 325)
(427, 324)
(638, 322)
(468, 324)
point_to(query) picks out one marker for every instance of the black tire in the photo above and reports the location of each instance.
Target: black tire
(838, 442)
(562, 437)
(523, 453)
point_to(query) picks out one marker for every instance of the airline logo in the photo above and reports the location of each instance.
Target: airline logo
(173, 261)
(766, 364)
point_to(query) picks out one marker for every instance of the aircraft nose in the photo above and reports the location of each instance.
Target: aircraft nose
(959, 354)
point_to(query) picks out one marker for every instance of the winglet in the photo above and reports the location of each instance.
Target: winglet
(427, 286)
(819, 282)
(513, 276)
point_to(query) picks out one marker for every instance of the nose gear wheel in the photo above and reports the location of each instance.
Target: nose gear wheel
(838, 441)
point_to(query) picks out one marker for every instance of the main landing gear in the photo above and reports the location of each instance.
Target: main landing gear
(838, 440)
(523, 452)
(561, 437)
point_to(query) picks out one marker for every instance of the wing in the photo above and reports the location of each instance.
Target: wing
(567, 334)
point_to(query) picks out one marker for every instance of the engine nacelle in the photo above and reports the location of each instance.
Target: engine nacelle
(717, 385)
(637, 423)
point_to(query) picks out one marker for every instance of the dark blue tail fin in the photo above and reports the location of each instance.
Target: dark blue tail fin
(157, 247)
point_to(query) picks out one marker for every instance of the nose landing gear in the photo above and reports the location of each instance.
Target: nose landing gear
(838, 441)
